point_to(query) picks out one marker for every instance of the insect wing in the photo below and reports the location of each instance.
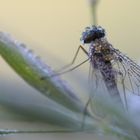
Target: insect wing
(96, 83)
(127, 73)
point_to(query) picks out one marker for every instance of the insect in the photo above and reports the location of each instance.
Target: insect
(119, 72)
(101, 56)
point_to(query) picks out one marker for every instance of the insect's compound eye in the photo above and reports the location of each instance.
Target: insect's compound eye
(89, 36)
(100, 32)
(93, 33)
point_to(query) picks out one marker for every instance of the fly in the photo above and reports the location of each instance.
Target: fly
(115, 68)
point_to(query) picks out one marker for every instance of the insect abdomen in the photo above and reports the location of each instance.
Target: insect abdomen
(110, 82)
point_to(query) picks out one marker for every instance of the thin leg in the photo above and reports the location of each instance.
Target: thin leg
(60, 72)
(84, 113)
(73, 61)
(57, 74)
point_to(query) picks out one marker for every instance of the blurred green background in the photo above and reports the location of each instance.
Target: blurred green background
(53, 28)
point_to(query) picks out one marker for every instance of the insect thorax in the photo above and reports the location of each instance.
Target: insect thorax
(100, 52)
(101, 57)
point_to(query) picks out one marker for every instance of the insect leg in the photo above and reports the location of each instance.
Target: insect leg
(60, 71)
(58, 74)
(85, 112)
(73, 60)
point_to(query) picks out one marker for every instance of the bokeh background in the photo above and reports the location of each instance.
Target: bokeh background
(52, 29)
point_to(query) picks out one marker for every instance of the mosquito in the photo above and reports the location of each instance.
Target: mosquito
(108, 64)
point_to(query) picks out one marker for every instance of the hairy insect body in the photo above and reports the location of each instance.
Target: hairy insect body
(101, 57)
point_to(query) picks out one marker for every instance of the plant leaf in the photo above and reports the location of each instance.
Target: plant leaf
(36, 73)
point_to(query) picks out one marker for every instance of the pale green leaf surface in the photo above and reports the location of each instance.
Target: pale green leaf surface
(36, 73)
